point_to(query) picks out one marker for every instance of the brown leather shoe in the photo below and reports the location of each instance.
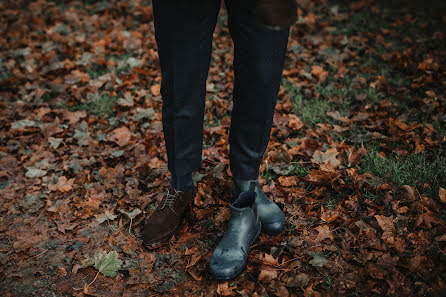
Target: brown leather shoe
(168, 216)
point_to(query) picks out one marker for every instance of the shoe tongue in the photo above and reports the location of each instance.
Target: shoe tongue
(245, 199)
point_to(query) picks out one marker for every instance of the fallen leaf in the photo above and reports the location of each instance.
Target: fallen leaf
(288, 181)
(54, 142)
(325, 157)
(386, 224)
(318, 259)
(105, 216)
(324, 233)
(64, 184)
(269, 260)
(155, 89)
(319, 73)
(225, 290)
(35, 172)
(442, 194)
(107, 264)
(120, 136)
(267, 274)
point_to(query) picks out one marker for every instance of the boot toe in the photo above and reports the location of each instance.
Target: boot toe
(272, 218)
(273, 227)
(223, 270)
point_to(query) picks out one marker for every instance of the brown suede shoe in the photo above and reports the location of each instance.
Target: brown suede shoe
(168, 216)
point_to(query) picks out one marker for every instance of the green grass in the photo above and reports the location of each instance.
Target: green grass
(310, 111)
(95, 71)
(100, 106)
(413, 170)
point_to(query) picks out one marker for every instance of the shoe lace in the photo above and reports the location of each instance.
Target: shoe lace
(169, 198)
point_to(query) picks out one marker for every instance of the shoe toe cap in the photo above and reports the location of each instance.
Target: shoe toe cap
(273, 227)
(225, 270)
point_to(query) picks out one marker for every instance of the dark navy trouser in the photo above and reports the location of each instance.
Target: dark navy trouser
(183, 32)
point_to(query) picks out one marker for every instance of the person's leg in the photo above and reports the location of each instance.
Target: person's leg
(259, 54)
(183, 32)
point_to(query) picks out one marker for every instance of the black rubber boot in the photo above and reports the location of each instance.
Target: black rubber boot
(230, 255)
(270, 214)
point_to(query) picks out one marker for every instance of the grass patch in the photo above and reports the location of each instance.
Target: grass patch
(413, 170)
(310, 111)
(95, 71)
(100, 106)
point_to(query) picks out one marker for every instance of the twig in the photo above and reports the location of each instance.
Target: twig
(86, 286)
(39, 254)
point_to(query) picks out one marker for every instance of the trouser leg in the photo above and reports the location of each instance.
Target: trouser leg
(259, 54)
(183, 32)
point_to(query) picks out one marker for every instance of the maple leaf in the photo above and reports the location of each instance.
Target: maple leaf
(107, 263)
(64, 184)
(327, 156)
(105, 216)
(324, 232)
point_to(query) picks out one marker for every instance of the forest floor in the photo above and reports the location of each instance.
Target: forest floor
(356, 159)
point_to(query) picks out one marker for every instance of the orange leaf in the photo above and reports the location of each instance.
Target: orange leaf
(155, 89)
(288, 181)
(442, 194)
(386, 223)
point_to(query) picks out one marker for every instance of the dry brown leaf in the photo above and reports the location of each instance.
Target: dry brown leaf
(64, 184)
(329, 155)
(386, 224)
(324, 233)
(120, 136)
(155, 89)
(224, 289)
(267, 274)
(288, 181)
(442, 194)
(268, 259)
(295, 123)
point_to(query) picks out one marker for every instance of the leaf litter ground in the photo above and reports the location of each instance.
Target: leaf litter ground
(356, 157)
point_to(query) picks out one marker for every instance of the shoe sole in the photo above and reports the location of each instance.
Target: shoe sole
(244, 265)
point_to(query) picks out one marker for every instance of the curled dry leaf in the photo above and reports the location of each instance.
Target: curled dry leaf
(386, 224)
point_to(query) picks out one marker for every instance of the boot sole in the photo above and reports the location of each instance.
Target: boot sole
(244, 265)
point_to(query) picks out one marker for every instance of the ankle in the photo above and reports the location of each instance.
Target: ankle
(183, 182)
